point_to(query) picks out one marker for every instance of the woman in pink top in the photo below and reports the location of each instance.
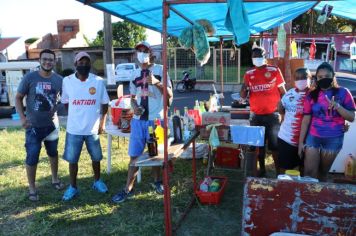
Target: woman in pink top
(322, 133)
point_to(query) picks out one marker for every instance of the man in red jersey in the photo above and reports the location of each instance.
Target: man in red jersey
(265, 85)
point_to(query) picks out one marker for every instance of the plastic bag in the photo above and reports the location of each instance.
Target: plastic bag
(214, 137)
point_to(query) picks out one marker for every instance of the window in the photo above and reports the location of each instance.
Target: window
(68, 28)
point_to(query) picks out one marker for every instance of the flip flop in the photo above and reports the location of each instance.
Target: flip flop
(33, 197)
(58, 186)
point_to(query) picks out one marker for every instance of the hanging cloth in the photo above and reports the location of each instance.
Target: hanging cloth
(275, 49)
(312, 50)
(281, 38)
(237, 22)
(294, 49)
(353, 50)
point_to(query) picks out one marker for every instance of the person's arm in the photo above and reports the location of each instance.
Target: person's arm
(104, 112)
(20, 110)
(303, 132)
(282, 90)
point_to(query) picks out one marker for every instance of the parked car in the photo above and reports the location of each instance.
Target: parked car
(124, 72)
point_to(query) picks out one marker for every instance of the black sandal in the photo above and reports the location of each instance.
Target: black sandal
(58, 186)
(33, 197)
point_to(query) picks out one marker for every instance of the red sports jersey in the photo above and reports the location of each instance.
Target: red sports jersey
(263, 83)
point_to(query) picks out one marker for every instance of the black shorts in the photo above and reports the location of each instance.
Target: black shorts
(288, 155)
(271, 124)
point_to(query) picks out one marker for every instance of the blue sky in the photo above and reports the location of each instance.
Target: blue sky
(35, 18)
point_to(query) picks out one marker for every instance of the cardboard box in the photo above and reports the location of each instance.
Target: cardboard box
(223, 132)
(216, 117)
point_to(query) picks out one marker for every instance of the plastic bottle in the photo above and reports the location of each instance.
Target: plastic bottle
(186, 132)
(350, 167)
(152, 143)
(201, 107)
(177, 128)
(214, 186)
(204, 186)
(159, 132)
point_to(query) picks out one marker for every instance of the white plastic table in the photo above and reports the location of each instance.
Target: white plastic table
(112, 130)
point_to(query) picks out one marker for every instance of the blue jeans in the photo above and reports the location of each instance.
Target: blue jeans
(74, 145)
(33, 143)
(333, 144)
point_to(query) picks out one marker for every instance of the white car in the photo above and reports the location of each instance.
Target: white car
(124, 72)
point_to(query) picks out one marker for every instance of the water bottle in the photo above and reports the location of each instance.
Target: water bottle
(177, 128)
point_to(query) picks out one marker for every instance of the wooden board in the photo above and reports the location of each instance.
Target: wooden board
(272, 205)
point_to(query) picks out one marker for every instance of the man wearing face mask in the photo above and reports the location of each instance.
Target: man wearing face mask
(147, 103)
(265, 85)
(86, 98)
(291, 107)
(41, 89)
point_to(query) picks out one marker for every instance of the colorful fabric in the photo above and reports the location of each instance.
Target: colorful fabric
(292, 102)
(312, 50)
(326, 122)
(264, 83)
(294, 49)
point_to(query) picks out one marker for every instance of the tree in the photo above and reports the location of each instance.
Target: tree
(124, 34)
(307, 24)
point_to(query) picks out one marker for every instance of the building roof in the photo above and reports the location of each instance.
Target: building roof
(6, 42)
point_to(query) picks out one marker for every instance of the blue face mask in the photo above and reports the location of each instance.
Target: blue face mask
(83, 70)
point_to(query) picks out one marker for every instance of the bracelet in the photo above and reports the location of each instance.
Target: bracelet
(337, 106)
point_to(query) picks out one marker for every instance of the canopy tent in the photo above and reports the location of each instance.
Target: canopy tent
(170, 17)
(262, 15)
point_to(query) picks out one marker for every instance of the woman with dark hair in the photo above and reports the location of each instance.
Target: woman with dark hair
(322, 133)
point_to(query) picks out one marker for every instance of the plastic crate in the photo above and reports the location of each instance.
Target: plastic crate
(228, 157)
(212, 198)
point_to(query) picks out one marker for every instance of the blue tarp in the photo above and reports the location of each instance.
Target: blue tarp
(262, 15)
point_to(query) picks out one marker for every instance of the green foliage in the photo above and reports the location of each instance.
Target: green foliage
(31, 40)
(124, 35)
(307, 24)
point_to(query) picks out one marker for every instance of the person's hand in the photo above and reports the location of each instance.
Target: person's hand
(346, 127)
(138, 110)
(25, 123)
(151, 79)
(300, 150)
(101, 129)
(332, 104)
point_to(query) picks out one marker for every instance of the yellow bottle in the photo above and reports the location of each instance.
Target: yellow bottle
(159, 131)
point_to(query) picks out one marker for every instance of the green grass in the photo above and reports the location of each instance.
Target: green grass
(92, 213)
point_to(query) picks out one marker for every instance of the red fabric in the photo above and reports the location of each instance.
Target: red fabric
(264, 86)
(312, 50)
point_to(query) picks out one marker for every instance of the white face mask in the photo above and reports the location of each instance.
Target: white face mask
(258, 61)
(143, 57)
(302, 84)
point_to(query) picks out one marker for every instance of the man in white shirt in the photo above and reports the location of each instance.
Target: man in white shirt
(86, 98)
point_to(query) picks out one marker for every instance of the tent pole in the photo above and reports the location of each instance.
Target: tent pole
(221, 65)
(167, 191)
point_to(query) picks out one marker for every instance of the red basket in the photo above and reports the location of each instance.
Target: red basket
(212, 198)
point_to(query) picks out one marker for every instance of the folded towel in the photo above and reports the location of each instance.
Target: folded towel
(248, 135)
